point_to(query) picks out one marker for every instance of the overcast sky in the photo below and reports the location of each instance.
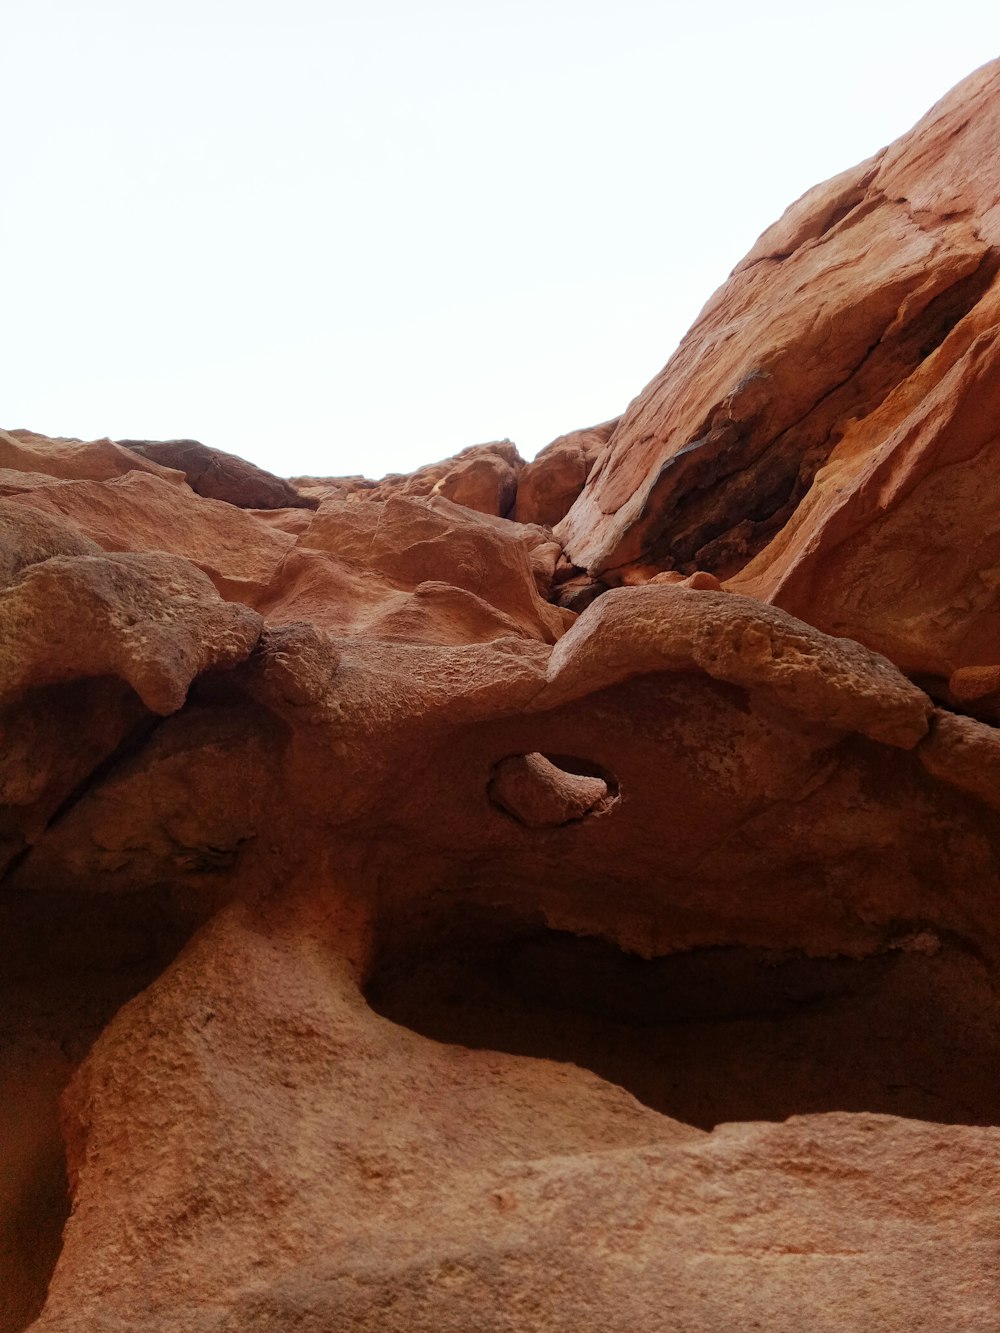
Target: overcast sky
(342, 238)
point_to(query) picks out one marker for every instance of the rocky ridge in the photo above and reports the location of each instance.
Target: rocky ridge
(532, 896)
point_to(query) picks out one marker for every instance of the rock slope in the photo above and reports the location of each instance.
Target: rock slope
(544, 896)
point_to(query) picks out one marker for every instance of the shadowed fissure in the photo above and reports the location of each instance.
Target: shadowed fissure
(726, 494)
(713, 1034)
(71, 960)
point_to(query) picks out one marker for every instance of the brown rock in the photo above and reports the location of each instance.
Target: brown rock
(15, 483)
(28, 536)
(487, 485)
(190, 808)
(87, 960)
(540, 794)
(545, 1163)
(221, 476)
(633, 631)
(576, 594)
(920, 547)
(446, 574)
(153, 621)
(293, 664)
(700, 579)
(548, 486)
(51, 740)
(969, 684)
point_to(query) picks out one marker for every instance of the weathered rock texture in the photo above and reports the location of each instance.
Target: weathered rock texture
(824, 437)
(386, 946)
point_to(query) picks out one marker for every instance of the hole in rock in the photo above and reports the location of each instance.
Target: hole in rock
(715, 1034)
(70, 961)
(548, 790)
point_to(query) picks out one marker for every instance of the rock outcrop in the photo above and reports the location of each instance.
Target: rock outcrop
(221, 476)
(550, 485)
(483, 477)
(550, 896)
(824, 436)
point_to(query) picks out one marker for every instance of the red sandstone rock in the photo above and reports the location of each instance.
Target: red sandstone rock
(417, 570)
(700, 579)
(487, 485)
(966, 754)
(630, 632)
(221, 476)
(548, 485)
(73, 460)
(822, 437)
(29, 536)
(154, 621)
(414, 954)
(539, 794)
(484, 477)
(138, 512)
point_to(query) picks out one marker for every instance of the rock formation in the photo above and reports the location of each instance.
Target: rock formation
(550, 896)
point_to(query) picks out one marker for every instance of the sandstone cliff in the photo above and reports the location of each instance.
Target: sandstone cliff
(549, 896)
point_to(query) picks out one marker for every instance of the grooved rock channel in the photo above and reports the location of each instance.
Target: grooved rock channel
(555, 896)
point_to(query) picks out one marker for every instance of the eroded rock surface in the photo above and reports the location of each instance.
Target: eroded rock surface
(550, 896)
(823, 438)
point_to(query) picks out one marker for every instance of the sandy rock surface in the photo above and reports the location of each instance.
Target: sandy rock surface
(520, 897)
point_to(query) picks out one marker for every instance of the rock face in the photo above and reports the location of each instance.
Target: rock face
(824, 437)
(386, 946)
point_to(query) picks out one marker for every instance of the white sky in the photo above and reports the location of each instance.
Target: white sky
(342, 238)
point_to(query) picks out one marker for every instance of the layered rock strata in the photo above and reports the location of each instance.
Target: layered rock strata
(544, 896)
